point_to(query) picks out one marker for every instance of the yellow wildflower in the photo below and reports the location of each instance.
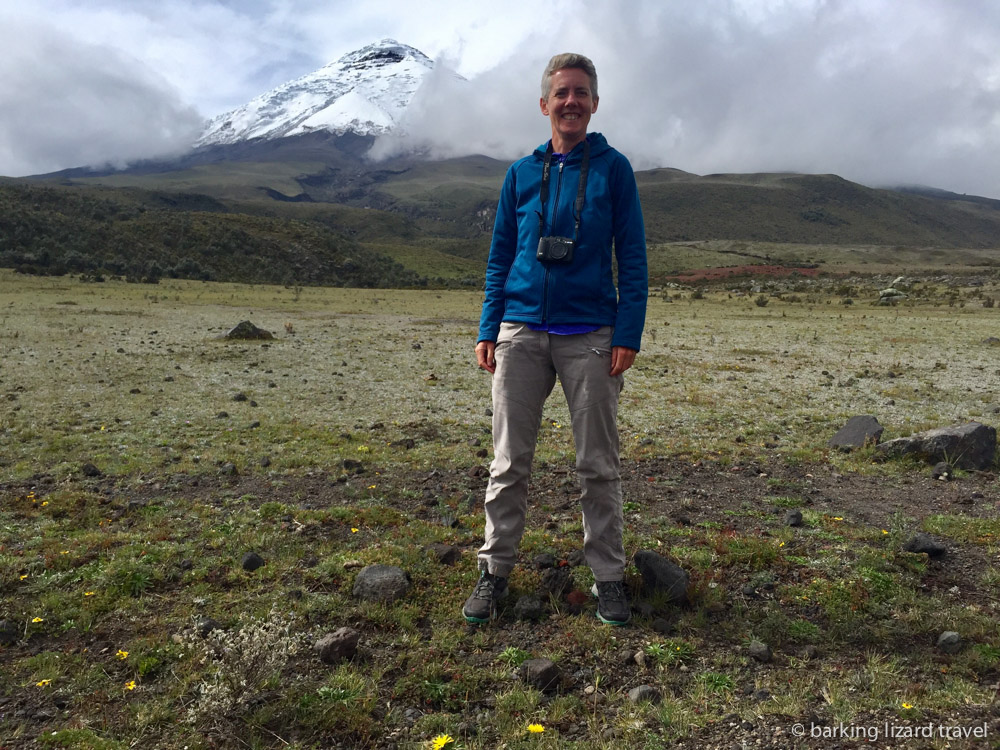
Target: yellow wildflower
(907, 706)
(536, 728)
(353, 530)
(130, 685)
(42, 683)
(442, 741)
(24, 576)
(122, 654)
(88, 593)
(38, 619)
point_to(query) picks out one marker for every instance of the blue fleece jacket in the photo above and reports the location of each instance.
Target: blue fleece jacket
(520, 288)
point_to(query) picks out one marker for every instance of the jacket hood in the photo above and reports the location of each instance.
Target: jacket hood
(598, 145)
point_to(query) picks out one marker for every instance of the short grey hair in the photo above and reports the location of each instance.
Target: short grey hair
(569, 60)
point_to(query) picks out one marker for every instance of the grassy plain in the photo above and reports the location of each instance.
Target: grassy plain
(208, 448)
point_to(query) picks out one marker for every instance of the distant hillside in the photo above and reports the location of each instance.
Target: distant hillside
(144, 236)
(301, 206)
(812, 209)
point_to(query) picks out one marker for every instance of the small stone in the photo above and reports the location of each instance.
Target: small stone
(640, 659)
(543, 561)
(228, 470)
(942, 471)
(950, 642)
(445, 553)
(809, 652)
(89, 470)
(240, 397)
(341, 645)
(205, 625)
(760, 651)
(252, 561)
(529, 608)
(793, 518)
(541, 674)
(644, 693)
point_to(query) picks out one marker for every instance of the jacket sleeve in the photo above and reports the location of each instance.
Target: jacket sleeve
(502, 251)
(630, 251)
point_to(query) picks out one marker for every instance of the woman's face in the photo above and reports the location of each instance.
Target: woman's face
(569, 106)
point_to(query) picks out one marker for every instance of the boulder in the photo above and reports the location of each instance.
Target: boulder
(662, 575)
(245, 330)
(967, 446)
(859, 431)
(381, 583)
(923, 543)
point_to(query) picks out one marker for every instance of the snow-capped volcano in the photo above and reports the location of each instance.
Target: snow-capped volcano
(364, 92)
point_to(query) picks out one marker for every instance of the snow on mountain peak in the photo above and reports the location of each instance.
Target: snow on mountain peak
(364, 92)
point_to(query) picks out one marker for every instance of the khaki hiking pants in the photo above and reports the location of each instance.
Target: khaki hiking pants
(527, 363)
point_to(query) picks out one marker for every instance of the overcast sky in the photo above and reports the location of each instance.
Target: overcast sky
(882, 92)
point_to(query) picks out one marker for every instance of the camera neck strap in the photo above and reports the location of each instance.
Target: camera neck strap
(581, 190)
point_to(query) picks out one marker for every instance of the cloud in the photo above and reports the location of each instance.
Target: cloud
(69, 103)
(879, 92)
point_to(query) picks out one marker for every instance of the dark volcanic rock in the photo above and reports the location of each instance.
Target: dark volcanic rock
(248, 331)
(529, 607)
(644, 693)
(924, 543)
(445, 553)
(660, 574)
(760, 652)
(967, 446)
(381, 583)
(252, 561)
(857, 433)
(950, 642)
(541, 674)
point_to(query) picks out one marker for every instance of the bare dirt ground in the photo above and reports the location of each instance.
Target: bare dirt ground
(661, 495)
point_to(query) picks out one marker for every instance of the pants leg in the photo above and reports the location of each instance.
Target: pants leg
(583, 363)
(524, 378)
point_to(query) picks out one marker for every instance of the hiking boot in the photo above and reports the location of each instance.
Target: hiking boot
(482, 605)
(612, 602)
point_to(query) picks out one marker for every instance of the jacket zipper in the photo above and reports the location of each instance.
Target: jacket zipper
(552, 225)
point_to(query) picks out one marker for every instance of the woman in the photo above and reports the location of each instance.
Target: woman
(551, 309)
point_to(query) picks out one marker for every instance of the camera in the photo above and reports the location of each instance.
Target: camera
(555, 249)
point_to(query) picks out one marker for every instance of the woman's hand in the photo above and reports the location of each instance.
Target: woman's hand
(621, 359)
(485, 355)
